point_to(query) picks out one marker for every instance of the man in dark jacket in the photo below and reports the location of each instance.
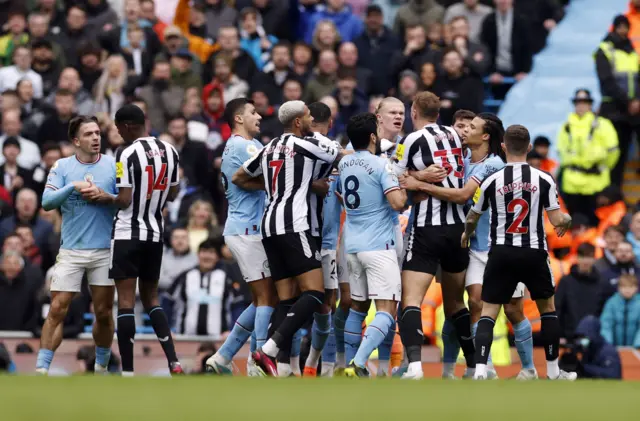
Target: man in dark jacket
(577, 295)
(376, 45)
(243, 65)
(613, 236)
(600, 360)
(275, 73)
(17, 296)
(625, 263)
(618, 74)
(348, 59)
(193, 155)
(415, 53)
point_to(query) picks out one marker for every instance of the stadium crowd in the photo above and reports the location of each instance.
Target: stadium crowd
(64, 58)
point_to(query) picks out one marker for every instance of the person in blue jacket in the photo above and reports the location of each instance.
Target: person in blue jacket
(620, 318)
(349, 25)
(600, 360)
(253, 38)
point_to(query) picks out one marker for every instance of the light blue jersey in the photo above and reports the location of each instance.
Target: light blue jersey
(479, 171)
(84, 225)
(245, 207)
(364, 181)
(331, 212)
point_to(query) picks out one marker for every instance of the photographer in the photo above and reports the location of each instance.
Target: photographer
(590, 355)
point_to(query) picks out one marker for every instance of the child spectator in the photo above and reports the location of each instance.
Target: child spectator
(621, 316)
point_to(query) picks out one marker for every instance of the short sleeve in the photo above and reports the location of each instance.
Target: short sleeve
(550, 199)
(389, 179)
(488, 169)
(123, 170)
(482, 204)
(55, 179)
(175, 175)
(253, 166)
(402, 154)
(321, 148)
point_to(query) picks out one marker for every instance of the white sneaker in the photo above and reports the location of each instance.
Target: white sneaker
(413, 374)
(100, 370)
(479, 376)
(492, 374)
(252, 369)
(215, 365)
(527, 374)
(42, 372)
(284, 370)
(566, 375)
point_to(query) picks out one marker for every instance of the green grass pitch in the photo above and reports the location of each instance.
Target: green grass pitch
(240, 398)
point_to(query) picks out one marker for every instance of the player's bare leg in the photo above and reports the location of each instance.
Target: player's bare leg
(373, 337)
(311, 285)
(159, 322)
(51, 336)
(255, 318)
(551, 332)
(103, 326)
(456, 311)
(320, 334)
(339, 321)
(414, 287)
(523, 339)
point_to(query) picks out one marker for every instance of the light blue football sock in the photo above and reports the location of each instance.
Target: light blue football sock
(373, 337)
(263, 317)
(384, 350)
(353, 334)
(253, 342)
(103, 355)
(45, 356)
(450, 345)
(320, 330)
(524, 343)
(329, 350)
(339, 320)
(239, 334)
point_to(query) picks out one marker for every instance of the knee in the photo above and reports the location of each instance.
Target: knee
(475, 306)
(59, 307)
(514, 313)
(103, 314)
(345, 303)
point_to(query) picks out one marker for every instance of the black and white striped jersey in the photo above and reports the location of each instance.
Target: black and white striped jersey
(150, 167)
(440, 145)
(516, 197)
(321, 170)
(287, 163)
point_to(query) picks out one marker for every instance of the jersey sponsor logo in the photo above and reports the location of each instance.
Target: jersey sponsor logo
(252, 149)
(119, 169)
(400, 152)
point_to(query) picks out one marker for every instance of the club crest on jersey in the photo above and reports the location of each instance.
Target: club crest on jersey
(252, 149)
(88, 177)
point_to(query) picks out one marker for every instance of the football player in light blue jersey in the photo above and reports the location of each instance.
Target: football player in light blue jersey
(242, 236)
(85, 243)
(370, 193)
(483, 138)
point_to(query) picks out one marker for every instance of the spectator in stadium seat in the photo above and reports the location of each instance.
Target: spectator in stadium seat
(415, 53)
(26, 205)
(13, 176)
(600, 360)
(291, 90)
(28, 104)
(109, 89)
(351, 100)
(428, 77)
(613, 236)
(473, 11)
(70, 81)
(17, 25)
(476, 56)
(46, 64)
(202, 223)
(375, 47)
(301, 12)
(219, 15)
(18, 309)
(348, 60)
(13, 243)
(54, 10)
(177, 258)
(148, 12)
(243, 65)
(55, 128)
(114, 37)
(323, 82)
(90, 65)
(39, 31)
(139, 61)
(198, 22)
(224, 73)
(29, 155)
(99, 14)
(182, 74)
(270, 126)
(75, 33)
(506, 34)
(408, 87)
(625, 264)
(302, 61)
(253, 37)
(166, 98)
(51, 152)
(275, 73)
(11, 75)
(578, 292)
(31, 250)
(193, 154)
(621, 315)
(457, 87)
(418, 12)
(213, 105)
(349, 26)
(275, 16)
(325, 37)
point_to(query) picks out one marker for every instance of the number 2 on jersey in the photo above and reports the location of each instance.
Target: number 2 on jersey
(277, 166)
(446, 164)
(158, 184)
(516, 226)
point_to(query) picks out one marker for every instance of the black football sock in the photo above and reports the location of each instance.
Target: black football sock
(411, 333)
(551, 332)
(279, 315)
(462, 322)
(126, 325)
(484, 338)
(161, 328)
(308, 303)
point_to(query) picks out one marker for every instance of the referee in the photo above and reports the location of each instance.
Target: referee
(517, 197)
(146, 176)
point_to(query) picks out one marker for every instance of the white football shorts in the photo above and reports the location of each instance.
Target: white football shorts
(475, 271)
(329, 269)
(374, 275)
(343, 273)
(250, 255)
(71, 265)
(399, 243)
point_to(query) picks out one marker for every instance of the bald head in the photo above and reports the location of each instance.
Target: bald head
(348, 54)
(70, 80)
(26, 204)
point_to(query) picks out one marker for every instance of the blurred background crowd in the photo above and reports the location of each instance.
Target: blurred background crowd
(181, 61)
